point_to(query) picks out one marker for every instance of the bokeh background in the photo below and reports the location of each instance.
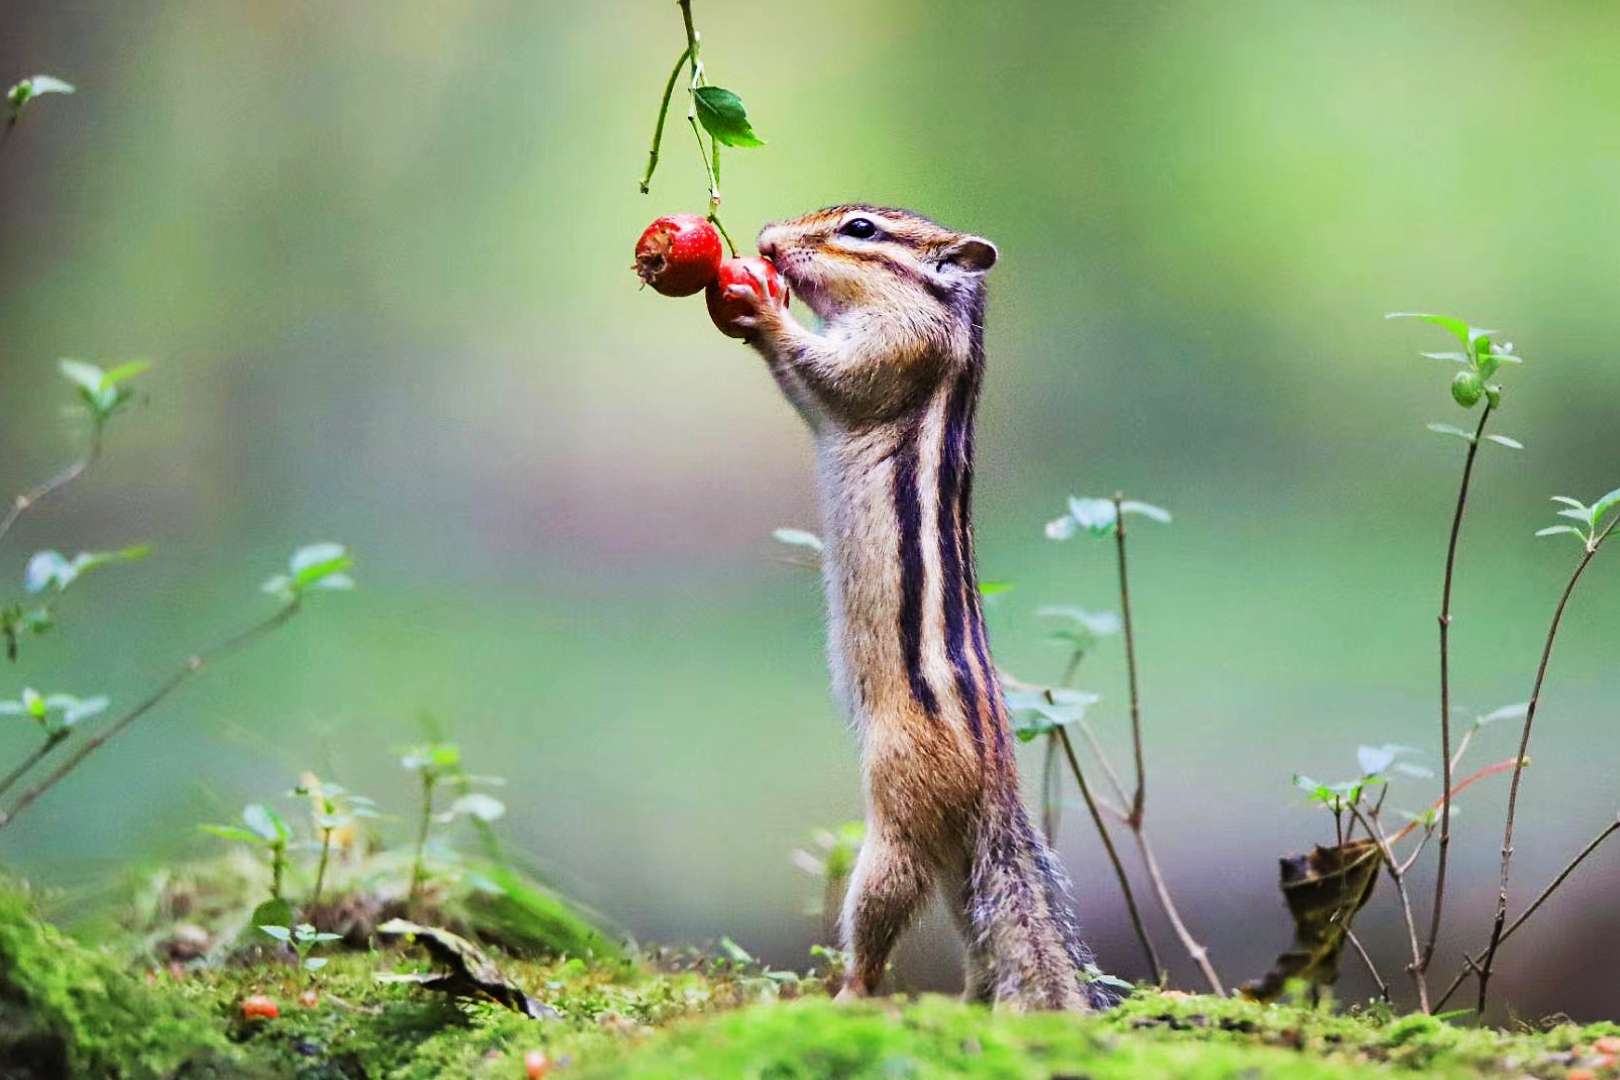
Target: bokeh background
(379, 254)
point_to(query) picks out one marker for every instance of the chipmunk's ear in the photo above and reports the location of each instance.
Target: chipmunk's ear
(974, 254)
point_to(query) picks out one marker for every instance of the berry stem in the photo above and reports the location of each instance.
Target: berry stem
(663, 113)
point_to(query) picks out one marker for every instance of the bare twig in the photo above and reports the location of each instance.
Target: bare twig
(1369, 821)
(1199, 954)
(1138, 800)
(22, 503)
(1445, 690)
(1497, 927)
(1138, 805)
(191, 667)
(1372, 969)
(1472, 963)
(1472, 778)
(1113, 857)
(51, 742)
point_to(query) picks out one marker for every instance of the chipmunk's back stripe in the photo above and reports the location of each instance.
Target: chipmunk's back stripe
(953, 551)
(908, 517)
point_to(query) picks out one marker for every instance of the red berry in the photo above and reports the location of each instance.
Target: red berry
(259, 1007)
(759, 275)
(535, 1065)
(678, 254)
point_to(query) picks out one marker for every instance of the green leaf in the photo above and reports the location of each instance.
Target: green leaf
(722, 115)
(1454, 357)
(799, 538)
(1147, 510)
(47, 569)
(1448, 429)
(1604, 505)
(314, 963)
(1559, 530)
(125, 372)
(1567, 501)
(736, 953)
(1374, 759)
(1456, 327)
(1506, 712)
(280, 933)
(87, 377)
(478, 805)
(233, 833)
(1507, 441)
(1060, 528)
(318, 564)
(988, 589)
(265, 823)
(1095, 515)
(48, 84)
(273, 912)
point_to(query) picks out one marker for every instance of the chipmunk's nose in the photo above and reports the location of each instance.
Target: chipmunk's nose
(768, 238)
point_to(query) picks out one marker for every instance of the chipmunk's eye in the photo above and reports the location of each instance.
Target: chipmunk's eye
(860, 228)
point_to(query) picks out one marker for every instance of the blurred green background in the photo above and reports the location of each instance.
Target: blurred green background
(379, 253)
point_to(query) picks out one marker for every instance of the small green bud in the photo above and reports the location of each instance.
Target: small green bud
(1493, 394)
(1466, 388)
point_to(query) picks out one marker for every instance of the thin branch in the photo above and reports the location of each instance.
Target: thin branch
(1372, 969)
(1113, 856)
(1472, 963)
(1415, 968)
(1199, 954)
(1406, 867)
(1524, 747)
(191, 667)
(51, 742)
(1469, 781)
(1139, 799)
(1445, 689)
(22, 503)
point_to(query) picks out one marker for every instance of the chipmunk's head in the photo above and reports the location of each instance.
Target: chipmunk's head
(866, 258)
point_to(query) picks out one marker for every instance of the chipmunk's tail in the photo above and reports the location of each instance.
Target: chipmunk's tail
(1018, 912)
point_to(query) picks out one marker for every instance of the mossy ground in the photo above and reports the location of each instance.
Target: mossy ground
(669, 1016)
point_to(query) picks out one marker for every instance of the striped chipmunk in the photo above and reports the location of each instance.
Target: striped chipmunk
(889, 386)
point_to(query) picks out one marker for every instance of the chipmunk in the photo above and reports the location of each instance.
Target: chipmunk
(888, 387)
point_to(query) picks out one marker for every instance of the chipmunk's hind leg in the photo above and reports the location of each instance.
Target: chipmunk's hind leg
(978, 968)
(890, 884)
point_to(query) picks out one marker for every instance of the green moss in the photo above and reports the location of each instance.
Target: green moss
(684, 1017)
(69, 1010)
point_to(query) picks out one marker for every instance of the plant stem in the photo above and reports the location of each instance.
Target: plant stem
(1524, 746)
(1472, 963)
(320, 869)
(27, 499)
(1468, 781)
(278, 868)
(658, 129)
(1199, 954)
(1154, 966)
(1445, 689)
(1139, 799)
(51, 742)
(194, 664)
(1372, 969)
(1415, 968)
(418, 872)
